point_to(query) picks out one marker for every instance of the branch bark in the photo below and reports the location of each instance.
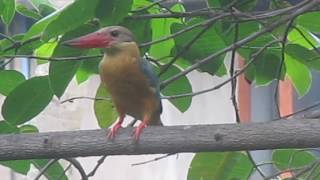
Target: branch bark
(173, 139)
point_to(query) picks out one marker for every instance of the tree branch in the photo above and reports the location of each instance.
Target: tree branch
(154, 140)
(45, 168)
(308, 6)
(74, 58)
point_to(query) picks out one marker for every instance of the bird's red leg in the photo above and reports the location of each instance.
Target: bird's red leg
(138, 130)
(113, 131)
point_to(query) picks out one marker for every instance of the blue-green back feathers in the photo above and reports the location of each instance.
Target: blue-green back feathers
(153, 80)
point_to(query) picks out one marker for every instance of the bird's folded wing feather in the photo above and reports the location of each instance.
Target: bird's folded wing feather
(153, 80)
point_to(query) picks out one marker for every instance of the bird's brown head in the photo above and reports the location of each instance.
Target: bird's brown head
(104, 38)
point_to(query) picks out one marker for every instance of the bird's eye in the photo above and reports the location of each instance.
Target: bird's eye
(114, 33)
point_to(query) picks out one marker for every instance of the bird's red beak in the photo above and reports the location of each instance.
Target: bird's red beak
(92, 40)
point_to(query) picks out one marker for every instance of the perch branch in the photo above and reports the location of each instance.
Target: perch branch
(173, 139)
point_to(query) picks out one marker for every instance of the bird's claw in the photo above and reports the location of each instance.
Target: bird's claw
(138, 130)
(113, 131)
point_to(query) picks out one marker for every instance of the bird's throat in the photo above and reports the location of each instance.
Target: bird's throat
(128, 48)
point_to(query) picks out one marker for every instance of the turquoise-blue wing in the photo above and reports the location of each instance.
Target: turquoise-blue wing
(153, 80)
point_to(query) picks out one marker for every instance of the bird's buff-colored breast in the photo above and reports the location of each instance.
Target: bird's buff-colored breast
(128, 85)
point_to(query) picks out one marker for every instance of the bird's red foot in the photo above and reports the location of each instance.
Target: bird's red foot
(113, 131)
(138, 130)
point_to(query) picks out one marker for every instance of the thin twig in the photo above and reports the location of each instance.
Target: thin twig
(231, 71)
(45, 168)
(309, 176)
(6, 63)
(293, 170)
(153, 160)
(187, 29)
(150, 59)
(305, 38)
(148, 7)
(78, 166)
(76, 58)
(316, 176)
(241, 42)
(236, 74)
(19, 44)
(254, 164)
(305, 170)
(174, 15)
(300, 111)
(283, 45)
(209, 13)
(85, 97)
(65, 171)
(186, 47)
(8, 38)
(99, 162)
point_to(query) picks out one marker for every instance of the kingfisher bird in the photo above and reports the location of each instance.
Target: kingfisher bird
(130, 80)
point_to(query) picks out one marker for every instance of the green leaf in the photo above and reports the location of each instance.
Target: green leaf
(61, 73)
(304, 55)
(104, 110)
(10, 79)
(310, 21)
(161, 28)
(71, 17)
(208, 43)
(28, 128)
(38, 3)
(46, 9)
(7, 128)
(137, 4)
(37, 28)
(88, 68)
(113, 11)
(267, 68)
(45, 50)
(5, 43)
(180, 86)
(142, 31)
(226, 31)
(214, 3)
(295, 37)
(28, 49)
(19, 166)
(214, 165)
(1, 6)
(53, 172)
(291, 158)
(314, 63)
(299, 75)
(299, 52)
(27, 100)
(31, 13)
(8, 11)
